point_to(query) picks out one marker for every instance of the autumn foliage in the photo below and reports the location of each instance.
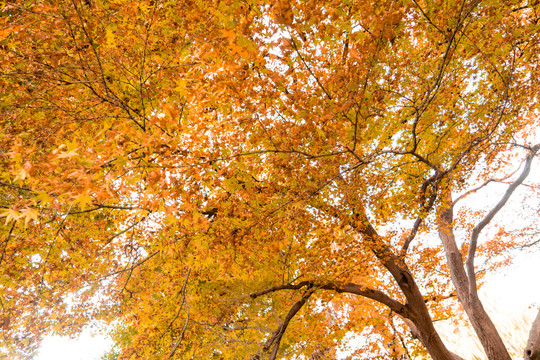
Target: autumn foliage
(259, 179)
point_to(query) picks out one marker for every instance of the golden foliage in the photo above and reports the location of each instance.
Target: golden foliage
(165, 161)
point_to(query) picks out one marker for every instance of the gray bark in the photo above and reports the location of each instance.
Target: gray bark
(532, 351)
(421, 337)
(485, 329)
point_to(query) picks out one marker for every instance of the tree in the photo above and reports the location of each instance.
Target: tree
(252, 179)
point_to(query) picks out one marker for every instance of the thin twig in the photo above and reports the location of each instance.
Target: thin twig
(6, 241)
(181, 337)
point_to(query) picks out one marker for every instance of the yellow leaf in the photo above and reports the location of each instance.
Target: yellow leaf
(67, 154)
(109, 36)
(70, 150)
(10, 215)
(29, 214)
(181, 86)
(84, 200)
(42, 197)
(20, 174)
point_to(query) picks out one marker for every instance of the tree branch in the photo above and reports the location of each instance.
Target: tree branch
(275, 339)
(338, 287)
(99, 206)
(418, 335)
(181, 336)
(293, 43)
(111, 238)
(5, 242)
(532, 351)
(131, 268)
(369, 293)
(485, 329)
(281, 287)
(487, 219)
(425, 209)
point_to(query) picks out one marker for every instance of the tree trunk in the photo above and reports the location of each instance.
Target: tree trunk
(417, 311)
(425, 339)
(481, 322)
(429, 337)
(532, 351)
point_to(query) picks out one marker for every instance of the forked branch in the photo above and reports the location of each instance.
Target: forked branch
(274, 341)
(487, 219)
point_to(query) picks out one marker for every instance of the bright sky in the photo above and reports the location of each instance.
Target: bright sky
(86, 347)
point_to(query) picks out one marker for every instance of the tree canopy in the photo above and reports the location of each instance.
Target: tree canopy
(260, 179)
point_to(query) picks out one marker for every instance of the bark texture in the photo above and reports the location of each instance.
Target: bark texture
(483, 326)
(532, 351)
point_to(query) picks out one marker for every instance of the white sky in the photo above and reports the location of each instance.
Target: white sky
(86, 347)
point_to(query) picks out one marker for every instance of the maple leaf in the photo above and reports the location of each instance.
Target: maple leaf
(28, 215)
(67, 154)
(10, 215)
(83, 200)
(252, 180)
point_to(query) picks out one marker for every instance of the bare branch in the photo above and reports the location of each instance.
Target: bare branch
(487, 219)
(103, 206)
(281, 287)
(293, 43)
(131, 268)
(487, 333)
(111, 238)
(15, 186)
(369, 293)
(418, 335)
(464, 195)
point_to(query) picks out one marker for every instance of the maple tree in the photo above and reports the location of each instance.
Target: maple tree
(255, 179)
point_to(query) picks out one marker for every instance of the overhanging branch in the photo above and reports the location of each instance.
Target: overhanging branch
(349, 288)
